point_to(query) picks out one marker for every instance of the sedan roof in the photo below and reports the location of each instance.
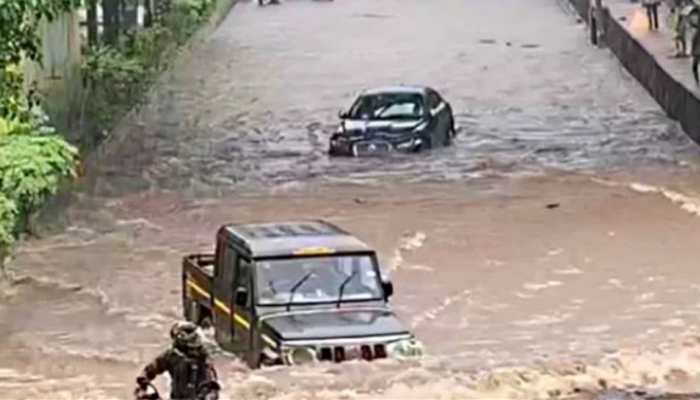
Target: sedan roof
(396, 89)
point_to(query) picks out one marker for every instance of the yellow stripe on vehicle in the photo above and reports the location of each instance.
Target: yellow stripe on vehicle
(241, 321)
(198, 289)
(222, 306)
(268, 340)
(219, 304)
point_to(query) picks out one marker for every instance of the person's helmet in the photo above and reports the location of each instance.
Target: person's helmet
(185, 335)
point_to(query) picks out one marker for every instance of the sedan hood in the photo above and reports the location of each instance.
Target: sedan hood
(369, 127)
(335, 324)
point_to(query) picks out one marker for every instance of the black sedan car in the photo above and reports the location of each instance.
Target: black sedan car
(402, 118)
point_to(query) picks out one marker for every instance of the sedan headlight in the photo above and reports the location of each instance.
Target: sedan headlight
(405, 348)
(405, 145)
(299, 356)
(421, 127)
(409, 144)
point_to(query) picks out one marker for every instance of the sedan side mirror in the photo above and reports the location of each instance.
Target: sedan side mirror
(388, 288)
(242, 297)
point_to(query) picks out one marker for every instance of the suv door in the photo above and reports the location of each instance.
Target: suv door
(243, 306)
(223, 294)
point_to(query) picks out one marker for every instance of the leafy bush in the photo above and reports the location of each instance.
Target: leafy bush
(148, 45)
(186, 16)
(11, 83)
(19, 39)
(33, 161)
(8, 221)
(107, 64)
(114, 80)
(32, 168)
(14, 127)
(35, 121)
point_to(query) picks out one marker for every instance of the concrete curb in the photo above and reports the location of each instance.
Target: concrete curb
(672, 95)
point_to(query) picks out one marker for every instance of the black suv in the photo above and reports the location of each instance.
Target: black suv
(294, 292)
(402, 118)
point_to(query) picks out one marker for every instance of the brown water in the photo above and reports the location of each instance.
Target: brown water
(511, 298)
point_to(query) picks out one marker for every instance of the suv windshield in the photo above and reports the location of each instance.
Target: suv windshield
(388, 106)
(318, 279)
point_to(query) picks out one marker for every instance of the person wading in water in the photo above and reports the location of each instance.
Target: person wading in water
(187, 361)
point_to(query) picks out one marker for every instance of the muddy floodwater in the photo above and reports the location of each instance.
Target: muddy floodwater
(550, 253)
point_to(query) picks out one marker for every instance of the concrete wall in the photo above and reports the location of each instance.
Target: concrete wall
(678, 101)
(58, 78)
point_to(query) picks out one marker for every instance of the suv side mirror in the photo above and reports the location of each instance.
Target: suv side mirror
(241, 297)
(342, 114)
(388, 288)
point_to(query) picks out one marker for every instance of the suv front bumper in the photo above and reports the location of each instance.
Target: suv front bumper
(339, 350)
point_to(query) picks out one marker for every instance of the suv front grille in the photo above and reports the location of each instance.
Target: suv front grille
(343, 353)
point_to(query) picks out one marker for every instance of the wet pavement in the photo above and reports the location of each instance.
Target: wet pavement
(512, 298)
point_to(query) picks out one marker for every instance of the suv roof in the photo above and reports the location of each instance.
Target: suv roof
(294, 238)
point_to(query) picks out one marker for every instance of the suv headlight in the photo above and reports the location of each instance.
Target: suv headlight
(299, 356)
(405, 348)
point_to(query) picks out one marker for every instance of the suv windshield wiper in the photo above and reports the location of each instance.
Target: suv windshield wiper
(342, 287)
(295, 287)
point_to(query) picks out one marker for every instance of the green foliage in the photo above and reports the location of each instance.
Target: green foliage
(149, 45)
(33, 161)
(8, 220)
(19, 20)
(35, 122)
(11, 81)
(117, 69)
(19, 38)
(13, 127)
(32, 168)
(114, 81)
(187, 16)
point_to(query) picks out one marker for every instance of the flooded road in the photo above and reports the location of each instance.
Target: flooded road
(255, 105)
(552, 248)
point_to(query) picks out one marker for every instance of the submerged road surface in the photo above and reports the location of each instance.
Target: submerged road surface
(551, 248)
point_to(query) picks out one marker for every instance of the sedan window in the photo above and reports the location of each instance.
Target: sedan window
(388, 106)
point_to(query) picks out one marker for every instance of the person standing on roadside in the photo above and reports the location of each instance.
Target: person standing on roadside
(652, 7)
(679, 26)
(695, 51)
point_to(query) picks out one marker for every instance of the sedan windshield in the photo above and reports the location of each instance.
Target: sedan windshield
(317, 279)
(388, 106)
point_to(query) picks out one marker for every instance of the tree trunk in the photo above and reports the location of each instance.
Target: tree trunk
(92, 22)
(110, 21)
(129, 15)
(148, 17)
